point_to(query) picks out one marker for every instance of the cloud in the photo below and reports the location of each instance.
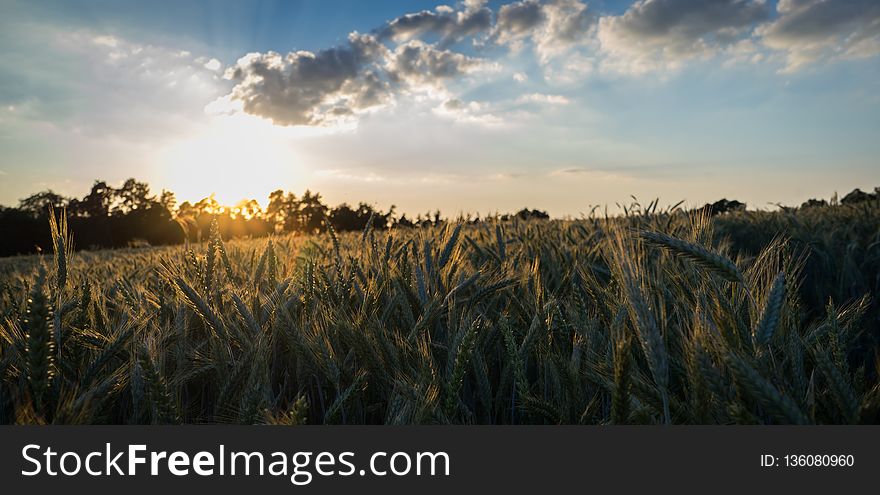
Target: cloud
(507, 176)
(593, 173)
(807, 31)
(104, 85)
(474, 4)
(305, 88)
(212, 64)
(352, 175)
(472, 112)
(370, 71)
(418, 64)
(449, 24)
(561, 34)
(568, 23)
(517, 21)
(663, 34)
(413, 53)
(338, 84)
(500, 113)
(552, 26)
(544, 99)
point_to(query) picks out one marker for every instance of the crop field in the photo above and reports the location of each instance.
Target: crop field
(654, 317)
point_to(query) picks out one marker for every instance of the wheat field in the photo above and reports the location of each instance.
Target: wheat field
(653, 317)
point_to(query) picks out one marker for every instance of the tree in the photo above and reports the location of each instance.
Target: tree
(527, 214)
(38, 204)
(208, 205)
(404, 222)
(814, 203)
(283, 211)
(96, 204)
(248, 209)
(312, 213)
(133, 195)
(168, 200)
(723, 206)
(857, 196)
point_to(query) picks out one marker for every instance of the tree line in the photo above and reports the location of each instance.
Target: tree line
(132, 216)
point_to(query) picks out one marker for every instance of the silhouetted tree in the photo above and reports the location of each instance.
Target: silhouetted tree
(132, 196)
(527, 214)
(312, 213)
(168, 200)
(814, 203)
(96, 204)
(404, 222)
(38, 204)
(130, 214)
(283, 211)
(857, 196)
(724, 206)
(344, 218)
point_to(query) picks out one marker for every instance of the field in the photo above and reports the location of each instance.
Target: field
(650, 318)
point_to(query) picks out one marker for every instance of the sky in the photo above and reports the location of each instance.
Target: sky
(466, 107)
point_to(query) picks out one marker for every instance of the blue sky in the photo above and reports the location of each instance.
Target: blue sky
(474, 106)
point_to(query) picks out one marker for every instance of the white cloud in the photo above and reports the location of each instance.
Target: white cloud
(213, 65)
(544, 99)
(351, 175)
(105, 40)
(472, 112)
(108, 85)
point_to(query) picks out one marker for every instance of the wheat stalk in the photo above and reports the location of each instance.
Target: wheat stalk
(716, 263)
(772, 312)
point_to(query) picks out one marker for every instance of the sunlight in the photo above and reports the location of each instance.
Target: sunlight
(235, 157)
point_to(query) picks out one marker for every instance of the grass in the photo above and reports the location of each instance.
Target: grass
(650, 318)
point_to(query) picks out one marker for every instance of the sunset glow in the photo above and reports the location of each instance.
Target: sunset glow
(235, 157)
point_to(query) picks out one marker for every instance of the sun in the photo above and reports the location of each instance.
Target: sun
(234, 157)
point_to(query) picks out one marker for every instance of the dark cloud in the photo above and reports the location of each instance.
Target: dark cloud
(808, 30)
(418, 63)
(315, 89)
(449, 24)
(412, 52)
(569, 20)
(518, 20)
(305, 88)
(690, 18)
(551, 25)
(322, 88)
(568, 23)
(660, 33)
